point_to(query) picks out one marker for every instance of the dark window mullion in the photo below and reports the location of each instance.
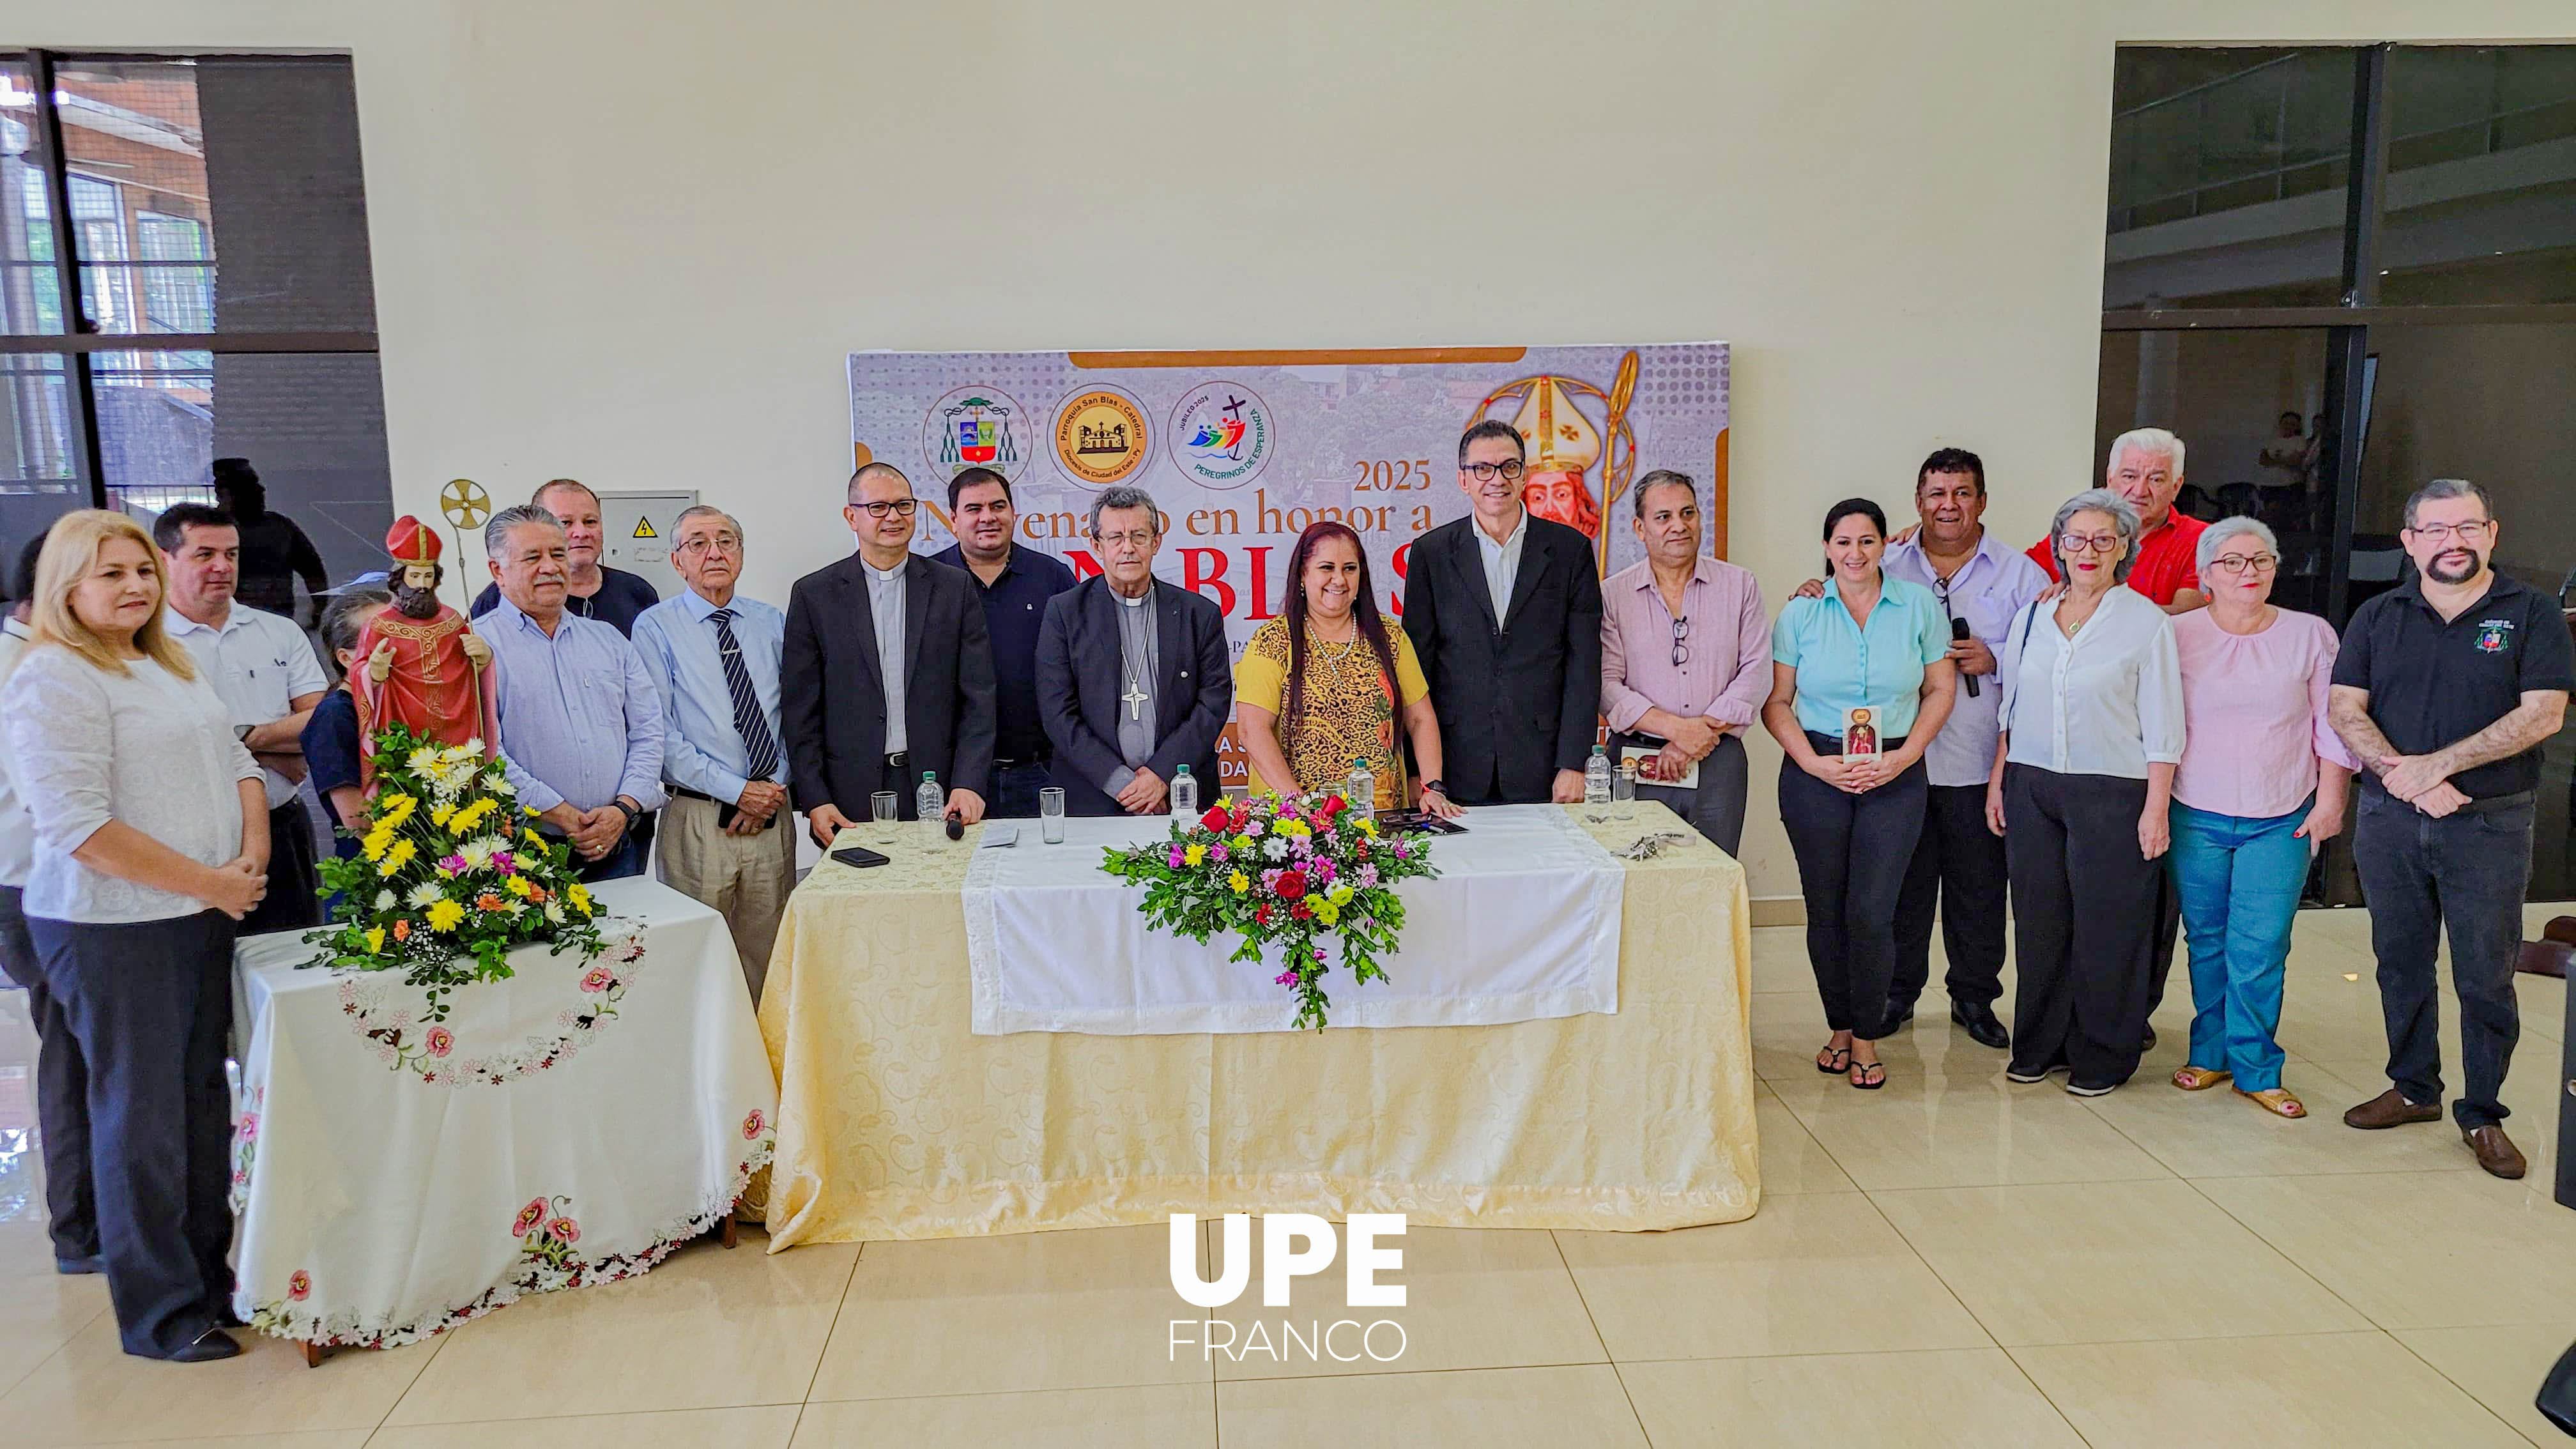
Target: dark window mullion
(67, 273)
(2348, 346)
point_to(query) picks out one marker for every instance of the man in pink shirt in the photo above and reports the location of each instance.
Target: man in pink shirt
(1685, 663)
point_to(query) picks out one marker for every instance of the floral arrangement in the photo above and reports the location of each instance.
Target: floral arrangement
(450, 875)
(1282, 874)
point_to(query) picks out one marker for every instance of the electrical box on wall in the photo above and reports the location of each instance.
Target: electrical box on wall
(635, 534)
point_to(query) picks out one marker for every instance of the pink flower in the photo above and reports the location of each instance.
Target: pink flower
(439, 1040)
(1217, 853)
(752, 1124)
(1368, 877)
(1324, 869)
(299, 1286)
(598, 978)
(454, 865)
(503, 862)
(565, 1230)
(529, 1216)
(248, 1127)
(1176, 857)
(1287, 977)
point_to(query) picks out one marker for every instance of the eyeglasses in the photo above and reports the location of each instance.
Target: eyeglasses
(1133, 538)
(721, 543)
(901, 506)
(1681, 651)
(2438, 534)
(2090, 543)
(2241, 564)
(1510, 469)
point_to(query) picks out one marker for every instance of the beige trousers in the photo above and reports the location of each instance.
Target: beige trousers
(746, 877)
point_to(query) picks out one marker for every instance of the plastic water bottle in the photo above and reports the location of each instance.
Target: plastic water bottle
(1623, 791)
(1185, 795)
(1596, 777)
(932, 804)
(1359, 792)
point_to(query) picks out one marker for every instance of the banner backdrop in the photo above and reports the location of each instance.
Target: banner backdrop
(1242, 450)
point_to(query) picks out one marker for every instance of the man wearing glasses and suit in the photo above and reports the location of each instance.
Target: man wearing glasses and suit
(1505, 614)
(887, 672)
(1685, 663)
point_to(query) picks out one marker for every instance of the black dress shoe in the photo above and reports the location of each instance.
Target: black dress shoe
(2149, 1044)
(226, 1318)
(207, 1347)
(74, 1267)
(1978, 1020)
(1898, 1014)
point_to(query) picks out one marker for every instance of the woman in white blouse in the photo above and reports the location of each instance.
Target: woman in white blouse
(151, 826)
(2092, 730)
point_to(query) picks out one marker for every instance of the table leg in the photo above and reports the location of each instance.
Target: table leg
(725, 1233)
(312, 1352)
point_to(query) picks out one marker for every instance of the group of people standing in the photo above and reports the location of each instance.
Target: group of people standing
(2117, 730)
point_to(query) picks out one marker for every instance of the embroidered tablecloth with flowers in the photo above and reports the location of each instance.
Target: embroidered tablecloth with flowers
(400, 1170)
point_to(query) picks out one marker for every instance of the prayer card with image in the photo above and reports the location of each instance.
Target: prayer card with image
(1860, 731)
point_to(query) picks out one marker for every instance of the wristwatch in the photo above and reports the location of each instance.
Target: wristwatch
(629, 811)
(1430, 785)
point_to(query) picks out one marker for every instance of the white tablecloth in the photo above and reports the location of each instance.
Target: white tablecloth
(570, 1125)
(1521, 923)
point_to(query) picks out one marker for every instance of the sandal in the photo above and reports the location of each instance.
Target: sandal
(2275, 1100)
(1861, 1079)
(2200, 1079)
(1834, 1061)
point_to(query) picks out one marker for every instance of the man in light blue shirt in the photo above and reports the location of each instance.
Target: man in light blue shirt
(581, 719)
(1958, 863)
(714, 655)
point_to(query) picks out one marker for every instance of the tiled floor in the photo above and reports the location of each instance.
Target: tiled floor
(1952, 1260)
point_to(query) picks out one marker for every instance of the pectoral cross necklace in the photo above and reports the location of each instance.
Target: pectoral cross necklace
(1135, 697)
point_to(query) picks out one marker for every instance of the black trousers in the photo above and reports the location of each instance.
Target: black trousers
(2084, 900)
(1852, 853)
(2464, 872)
(1958, 865)
(2160, 953)
(62, 1090)
(294, 899)
(152, 1004)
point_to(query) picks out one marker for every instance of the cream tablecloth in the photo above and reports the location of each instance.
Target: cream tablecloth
(396, 1177)
(1522, 922)
(897, 1121)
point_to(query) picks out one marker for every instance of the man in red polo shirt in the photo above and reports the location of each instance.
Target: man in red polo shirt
(2146, 469)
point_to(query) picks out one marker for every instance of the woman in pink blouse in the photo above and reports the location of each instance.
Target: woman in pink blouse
(2262, 780)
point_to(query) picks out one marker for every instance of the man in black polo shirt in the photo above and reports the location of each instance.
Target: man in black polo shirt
(1015, 584)
(2445, 690)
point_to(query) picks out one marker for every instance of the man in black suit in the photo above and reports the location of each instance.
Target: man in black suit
(1133, 676)
(1505, 613)
(887, 671)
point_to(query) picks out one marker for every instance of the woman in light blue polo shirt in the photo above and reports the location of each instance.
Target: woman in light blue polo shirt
(1860, 683)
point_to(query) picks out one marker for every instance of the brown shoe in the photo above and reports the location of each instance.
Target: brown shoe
(2496, 1152)
(2391, 1109)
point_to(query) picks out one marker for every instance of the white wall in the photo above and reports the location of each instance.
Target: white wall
(634, 242)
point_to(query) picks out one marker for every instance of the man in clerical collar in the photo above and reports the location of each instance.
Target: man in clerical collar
(1133, 681)
(1014, 584)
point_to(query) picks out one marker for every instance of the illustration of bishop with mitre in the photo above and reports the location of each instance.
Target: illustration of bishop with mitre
(1560, 443)
(419, 664)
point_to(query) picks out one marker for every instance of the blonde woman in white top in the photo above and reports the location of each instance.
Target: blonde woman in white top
(2092, 729)
(151, 827)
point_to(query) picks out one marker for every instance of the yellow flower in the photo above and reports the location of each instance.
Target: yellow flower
(473, 815)
(533, 837)
(375, 940)
(531, 810)
(376, 843)
(1368, 826)
(1195, 854)
(1327, 912)
(1243, 842)
(1339, 895)
(576, 897)
(1238, 882)
(1291, 828)
(440, 816)
(445, 916)
(517, 885)
(397, 858)
(396, 809)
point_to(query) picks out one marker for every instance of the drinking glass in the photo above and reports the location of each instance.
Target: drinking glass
(1623, 792)
(1051, 815)
(882, 806)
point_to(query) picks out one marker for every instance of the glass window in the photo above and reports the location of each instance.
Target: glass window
(2228, 173)
(30, 294)
(271, 239)
(39, 458)
(2481, 175)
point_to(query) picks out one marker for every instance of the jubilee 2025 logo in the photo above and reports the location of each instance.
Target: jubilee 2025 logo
(1221, 435)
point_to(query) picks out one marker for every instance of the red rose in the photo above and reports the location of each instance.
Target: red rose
(1217, 818)
(1292, 884)
(1333, 805)
(1302, 911)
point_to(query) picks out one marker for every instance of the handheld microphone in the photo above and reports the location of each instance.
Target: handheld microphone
(1958, 632)
(956, 826)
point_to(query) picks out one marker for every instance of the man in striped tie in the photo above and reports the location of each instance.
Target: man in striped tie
(727, 839)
